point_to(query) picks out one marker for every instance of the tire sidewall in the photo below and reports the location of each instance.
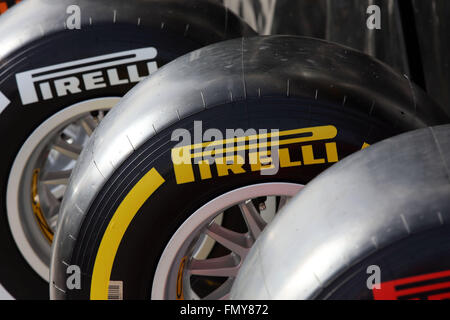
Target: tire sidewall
(18, 121)
(161, 215)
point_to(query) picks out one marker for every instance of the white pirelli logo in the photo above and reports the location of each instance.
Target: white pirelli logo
(4, 102)
(84, 74)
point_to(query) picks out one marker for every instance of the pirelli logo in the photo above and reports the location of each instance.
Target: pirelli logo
(266, 153)
(86, 74)
(432, 286)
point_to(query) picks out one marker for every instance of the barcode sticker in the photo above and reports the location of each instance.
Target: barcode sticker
(115, 290)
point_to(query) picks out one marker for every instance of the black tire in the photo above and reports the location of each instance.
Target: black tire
(386, 222)
(275, 82)
(33, 36)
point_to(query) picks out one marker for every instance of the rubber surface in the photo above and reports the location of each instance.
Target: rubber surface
(263, 82)
(387, 208)
(34, 36)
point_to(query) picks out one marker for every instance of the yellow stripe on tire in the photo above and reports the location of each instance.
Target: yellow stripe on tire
(116, 230)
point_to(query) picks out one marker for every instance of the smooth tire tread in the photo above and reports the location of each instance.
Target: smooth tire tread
(388, 209)
(316, 80)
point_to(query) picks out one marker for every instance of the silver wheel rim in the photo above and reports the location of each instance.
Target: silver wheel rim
(39, 174)
(184, 256)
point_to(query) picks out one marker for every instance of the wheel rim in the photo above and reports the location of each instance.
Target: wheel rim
(39, 174)
(184, 267)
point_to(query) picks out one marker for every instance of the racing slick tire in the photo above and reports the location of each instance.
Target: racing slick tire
(63, 65)
(383, 233)
(145, 199)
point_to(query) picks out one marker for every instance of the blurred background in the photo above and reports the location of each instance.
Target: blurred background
(413, 38)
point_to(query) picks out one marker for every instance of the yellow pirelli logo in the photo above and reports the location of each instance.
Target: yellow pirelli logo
(262, 151)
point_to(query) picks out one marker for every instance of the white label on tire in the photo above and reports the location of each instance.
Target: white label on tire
(85, 74)
(115, 290)
(4, 102)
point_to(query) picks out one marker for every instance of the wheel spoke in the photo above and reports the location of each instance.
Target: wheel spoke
(234, 241)
(52, 202)
(282, 203)
(89, 124)
(225, 266)
(53, 221)
(215, 251)
(70, 150)
(205, 244)
(56, 177)
(101, 115)
(59, 191)
(222, 292)
(253, 219)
